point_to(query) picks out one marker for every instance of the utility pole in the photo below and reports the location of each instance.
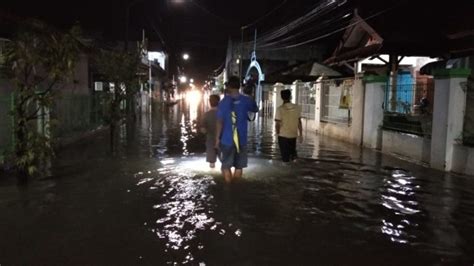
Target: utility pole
(241, 57)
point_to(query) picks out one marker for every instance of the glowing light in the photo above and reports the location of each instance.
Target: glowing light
(191, 81)
(183, 79)
(186, 56)
(194, 97)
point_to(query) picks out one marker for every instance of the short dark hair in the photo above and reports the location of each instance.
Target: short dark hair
(248, 89)
(285, 95)
(233, 83)
(214, 100)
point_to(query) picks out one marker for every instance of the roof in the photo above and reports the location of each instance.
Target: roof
(433, 29)
(304, 71)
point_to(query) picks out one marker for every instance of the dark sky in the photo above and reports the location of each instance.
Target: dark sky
(199, 27)
(202, 27)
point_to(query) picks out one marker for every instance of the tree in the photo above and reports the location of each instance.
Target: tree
(40, 59)
(119, 68)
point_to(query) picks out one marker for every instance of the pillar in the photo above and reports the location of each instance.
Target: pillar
(277, 101)
(373, 111)
(318, 87)
(448, 115)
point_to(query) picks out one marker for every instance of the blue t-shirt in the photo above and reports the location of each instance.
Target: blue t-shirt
(241, 105)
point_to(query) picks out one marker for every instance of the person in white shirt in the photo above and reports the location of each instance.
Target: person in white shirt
(288, 125)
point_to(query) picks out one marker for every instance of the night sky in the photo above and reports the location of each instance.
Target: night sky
(199, 27)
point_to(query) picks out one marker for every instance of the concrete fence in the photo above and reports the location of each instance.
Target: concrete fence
(355, 110)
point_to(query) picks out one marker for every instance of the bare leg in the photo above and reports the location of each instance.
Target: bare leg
(237, 173)
(227, 175)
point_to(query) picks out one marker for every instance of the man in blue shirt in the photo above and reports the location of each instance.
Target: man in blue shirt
(231, 135)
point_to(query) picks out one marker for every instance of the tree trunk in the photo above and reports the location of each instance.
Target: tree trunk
(21, 144)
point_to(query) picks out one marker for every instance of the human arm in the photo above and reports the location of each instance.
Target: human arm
(253, 106)
(218, 132)
(277, 121)
(300, 126)
(204, 125)
(300, 130)
(277, 126)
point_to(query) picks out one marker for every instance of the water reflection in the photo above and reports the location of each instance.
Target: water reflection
(184, 208)
(171, 208)
(399, 198)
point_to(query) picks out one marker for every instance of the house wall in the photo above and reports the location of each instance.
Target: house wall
(406, 145)
(79, 84)
(373, 104)
(337, 131)
(348, 132)
(463, 159)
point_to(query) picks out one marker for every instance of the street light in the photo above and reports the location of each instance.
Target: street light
(183, 79)
(191, 81)
(186, 56)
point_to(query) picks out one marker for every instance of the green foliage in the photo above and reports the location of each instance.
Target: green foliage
(39, 59)
(121, 69)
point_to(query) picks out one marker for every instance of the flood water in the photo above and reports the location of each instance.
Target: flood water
(157, 203)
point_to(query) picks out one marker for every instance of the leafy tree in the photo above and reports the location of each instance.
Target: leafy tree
(40, 59)
(119, 68)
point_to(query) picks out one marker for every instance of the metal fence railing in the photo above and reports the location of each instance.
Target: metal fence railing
(336, 101)
(307, 100)
(409, 107)
(70, 115)
(6, 125)
(74, 114)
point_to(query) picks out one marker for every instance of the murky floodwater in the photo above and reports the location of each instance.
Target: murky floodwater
(157, 203)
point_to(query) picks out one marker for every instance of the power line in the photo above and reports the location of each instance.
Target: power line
(317, 27)
(332, 32)
(266, 15)
(212, 14)
(153, 26)
(316, 11)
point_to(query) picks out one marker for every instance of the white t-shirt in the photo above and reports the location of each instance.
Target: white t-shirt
(289, 115)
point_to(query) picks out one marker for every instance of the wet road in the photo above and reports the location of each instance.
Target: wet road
(157, 203)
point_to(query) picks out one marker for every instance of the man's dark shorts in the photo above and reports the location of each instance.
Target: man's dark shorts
(230, 158)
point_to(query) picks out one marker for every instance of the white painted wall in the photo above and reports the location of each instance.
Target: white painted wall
(277, 101)
(373, 115)
(406, 145)
(351, 133)
(337, 131)
(357, 111)
(448, 118)
(317, 114)
(463, 159)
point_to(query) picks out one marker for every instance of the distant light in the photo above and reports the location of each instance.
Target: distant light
(193, 97)
(237, 61)
(186, 56)
(183, 79)
(191, 81)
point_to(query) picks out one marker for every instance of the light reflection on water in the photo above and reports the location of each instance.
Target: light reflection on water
(400, 199)
(185, 207)
(339, 205)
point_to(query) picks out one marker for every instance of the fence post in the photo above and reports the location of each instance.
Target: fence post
(448, 115)
(277, 101)
(317, 105)
(356, 111)
(373, 111)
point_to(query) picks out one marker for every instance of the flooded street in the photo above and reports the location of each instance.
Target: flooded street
(156, 202)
